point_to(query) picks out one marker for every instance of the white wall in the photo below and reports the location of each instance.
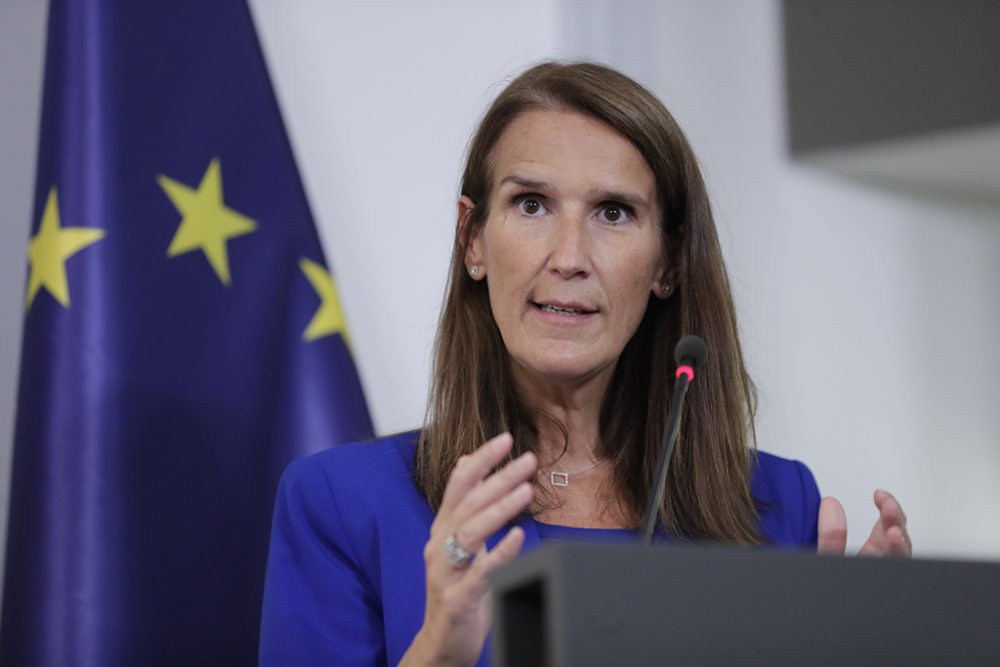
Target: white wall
(22, 51)
(847, 294)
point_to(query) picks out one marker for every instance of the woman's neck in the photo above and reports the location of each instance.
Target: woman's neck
(576, 406)
(590, 499)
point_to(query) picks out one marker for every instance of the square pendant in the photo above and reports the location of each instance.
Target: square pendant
(559, 478)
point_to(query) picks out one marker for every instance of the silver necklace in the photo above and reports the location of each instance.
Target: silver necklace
(561, 477)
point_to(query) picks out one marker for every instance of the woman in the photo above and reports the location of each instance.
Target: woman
(585, 248)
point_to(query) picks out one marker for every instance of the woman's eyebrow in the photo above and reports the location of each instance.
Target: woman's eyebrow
(634, 200)
(525, 182)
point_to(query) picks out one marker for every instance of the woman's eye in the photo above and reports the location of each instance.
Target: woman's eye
(615, 213)
(530, 206)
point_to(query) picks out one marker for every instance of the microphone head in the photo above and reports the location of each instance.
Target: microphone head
(691, 351)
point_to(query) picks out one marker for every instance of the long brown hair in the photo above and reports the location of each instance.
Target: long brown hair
(473, 395)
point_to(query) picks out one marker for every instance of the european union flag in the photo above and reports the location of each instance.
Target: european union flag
(183, 342)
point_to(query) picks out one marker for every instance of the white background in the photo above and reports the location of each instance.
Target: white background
(869, 318)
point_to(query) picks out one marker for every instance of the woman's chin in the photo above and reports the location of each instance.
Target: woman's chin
(563, 371)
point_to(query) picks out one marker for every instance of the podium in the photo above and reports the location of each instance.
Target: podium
(627, 606)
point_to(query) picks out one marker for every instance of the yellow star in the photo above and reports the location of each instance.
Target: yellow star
(328, 319)
(206, 223)
(50, 248)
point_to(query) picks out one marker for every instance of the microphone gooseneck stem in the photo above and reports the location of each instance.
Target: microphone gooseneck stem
(666, 451)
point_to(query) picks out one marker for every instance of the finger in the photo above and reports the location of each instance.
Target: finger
(889, 536)
(464, 595)
(496, 486)
(898, 542)
(472, 468)
(472, 535)
(473, 532)
(832, 527)
(891, 514)
(890, 542)
(890, 508)
(503, 552)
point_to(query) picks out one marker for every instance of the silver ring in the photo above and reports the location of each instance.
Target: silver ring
(457, 555)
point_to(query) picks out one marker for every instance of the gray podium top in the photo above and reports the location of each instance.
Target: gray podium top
(626, 606)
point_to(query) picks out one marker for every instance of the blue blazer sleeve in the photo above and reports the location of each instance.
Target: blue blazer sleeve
(787, 500)
(319, 607)
(811, 499)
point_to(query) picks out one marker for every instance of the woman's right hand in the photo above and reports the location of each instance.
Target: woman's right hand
(475, 505)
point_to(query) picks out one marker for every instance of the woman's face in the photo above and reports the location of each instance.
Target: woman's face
(571, 245)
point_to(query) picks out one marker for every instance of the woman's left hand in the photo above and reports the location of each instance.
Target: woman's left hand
(888, 538)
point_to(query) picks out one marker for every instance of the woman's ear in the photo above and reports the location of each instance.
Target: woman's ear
(471, 239)
(666, 280)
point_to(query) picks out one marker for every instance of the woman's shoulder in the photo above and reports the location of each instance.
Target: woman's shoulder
(777, 469)
(375, 466)
(356, 488)
(787, 499)
(377, 455)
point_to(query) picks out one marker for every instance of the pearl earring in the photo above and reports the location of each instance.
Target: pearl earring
(474, 271)
(665, 288)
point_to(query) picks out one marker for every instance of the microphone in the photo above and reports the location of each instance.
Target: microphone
(690, 355)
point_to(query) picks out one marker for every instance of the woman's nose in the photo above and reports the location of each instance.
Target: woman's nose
(569, 246)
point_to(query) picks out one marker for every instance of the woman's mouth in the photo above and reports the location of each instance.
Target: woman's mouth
(571, 309)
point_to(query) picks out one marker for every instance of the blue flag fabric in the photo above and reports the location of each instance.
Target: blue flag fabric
(183, 342)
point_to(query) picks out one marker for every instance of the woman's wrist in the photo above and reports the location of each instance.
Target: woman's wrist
(423, 652)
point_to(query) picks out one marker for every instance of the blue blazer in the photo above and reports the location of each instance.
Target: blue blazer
(345, 572)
